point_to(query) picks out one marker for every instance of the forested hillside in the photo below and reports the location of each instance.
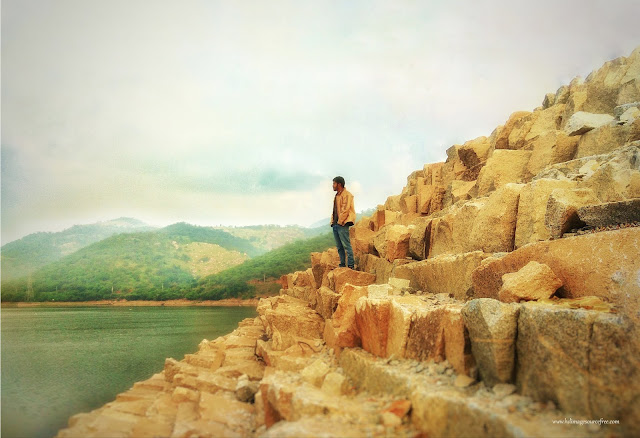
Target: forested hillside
(24, 256)
(236, 281)
(164, 264)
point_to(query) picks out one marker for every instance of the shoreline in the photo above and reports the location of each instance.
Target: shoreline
(229, 302)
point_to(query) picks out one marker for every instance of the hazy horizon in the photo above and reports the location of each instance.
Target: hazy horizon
(217, 113)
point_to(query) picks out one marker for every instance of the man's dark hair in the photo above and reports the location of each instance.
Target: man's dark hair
(339, 180)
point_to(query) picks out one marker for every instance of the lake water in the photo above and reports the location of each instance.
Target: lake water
(57, 362)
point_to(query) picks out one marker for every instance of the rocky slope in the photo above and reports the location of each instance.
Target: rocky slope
(497, 295)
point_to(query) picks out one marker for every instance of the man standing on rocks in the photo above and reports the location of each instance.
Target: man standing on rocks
(343, 217)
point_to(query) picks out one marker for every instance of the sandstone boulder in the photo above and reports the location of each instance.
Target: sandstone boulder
(562, 210)
(429, 198)
(588, 265)
(532, 209)
(450, 274)
(339, 277)
(603, 140)
(361, 239)
(450, 233)
(503, 167)
(372, 321)
(289, 319)
(549, 148)
(503, 132)
(341, 331)
(322, 263)
(377, 266)
(397, 242)
(492, 329)
(534, 281)
(577, 359)
(582, 122)
(420, 239)
(495, 225)
(610, 213)
(327, 302)
(437, 333)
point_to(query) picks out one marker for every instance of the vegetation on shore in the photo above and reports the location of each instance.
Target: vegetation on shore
(181, 261)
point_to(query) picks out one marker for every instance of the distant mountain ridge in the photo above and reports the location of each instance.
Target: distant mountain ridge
(24, 256)
(153, 264)
(327, 221)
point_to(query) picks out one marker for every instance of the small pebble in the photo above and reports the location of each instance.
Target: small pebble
(390, 420)
(501, 390)
(463, 381)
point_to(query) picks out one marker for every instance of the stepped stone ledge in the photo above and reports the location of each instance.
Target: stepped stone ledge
(477, 306)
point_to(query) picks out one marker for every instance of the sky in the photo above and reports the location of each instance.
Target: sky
(241, 112)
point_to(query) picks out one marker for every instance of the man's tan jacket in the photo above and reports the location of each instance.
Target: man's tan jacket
(346, 208)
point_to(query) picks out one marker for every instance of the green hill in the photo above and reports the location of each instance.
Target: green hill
(236, 281)
(268, 237)
(24, 256)
(159, 265)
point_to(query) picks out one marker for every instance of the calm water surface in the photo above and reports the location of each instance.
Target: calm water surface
(57, 362)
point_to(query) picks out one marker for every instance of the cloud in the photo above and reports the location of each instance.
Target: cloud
(193, 110)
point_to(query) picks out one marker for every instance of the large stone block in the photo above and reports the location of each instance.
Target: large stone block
(327, 302)
(547, 120)
(534, 281)
(614, 371)
(323, 263)
(361, 240)
(400, 316)
(562, 209)
(397, 242)
(495, 225)
(451, 232)
(610, 213)
(617, 175)
(289, 319)
(603, 86)
(503, 132)
(600, 264)
(492, 327)
(518, 134)
(550, 148)
(437, 333)
(341, 331)
(449, 274)
(553, 355)
(372, 320)
(420, 239)
(503, 167)
(339, 277)
(582, 122)
(603, 140)
(532, 209)
(377, 266)
(580, 360)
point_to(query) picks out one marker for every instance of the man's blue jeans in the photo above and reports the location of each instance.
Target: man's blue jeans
(343, 243)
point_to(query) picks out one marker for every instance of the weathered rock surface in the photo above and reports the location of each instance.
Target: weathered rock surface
(493, 327)
(581, 122)
(449, 274)
(560, 358)
(599, 264)
(610, 213)
(534, 281)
